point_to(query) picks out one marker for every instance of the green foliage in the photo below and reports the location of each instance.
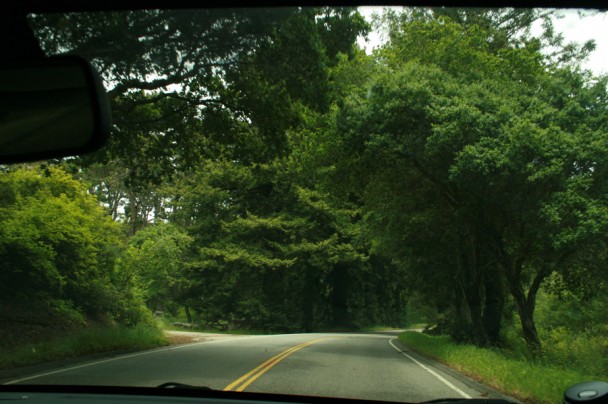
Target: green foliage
(58, 245)
(476, 163)
(574, 329)
(156, 262)
(53, 234)
(274, 253)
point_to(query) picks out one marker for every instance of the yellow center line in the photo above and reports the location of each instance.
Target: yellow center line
(251, 376)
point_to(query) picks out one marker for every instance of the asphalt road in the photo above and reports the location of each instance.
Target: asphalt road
(369, 366)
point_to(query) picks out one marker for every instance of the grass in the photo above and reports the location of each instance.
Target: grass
(529, 381)
(82, 342)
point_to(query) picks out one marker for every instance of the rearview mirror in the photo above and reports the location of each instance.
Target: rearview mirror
(51, 108)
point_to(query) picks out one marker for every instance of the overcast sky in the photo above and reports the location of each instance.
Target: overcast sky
(574, 28)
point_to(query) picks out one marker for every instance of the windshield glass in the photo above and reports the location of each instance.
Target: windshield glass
(397, 204)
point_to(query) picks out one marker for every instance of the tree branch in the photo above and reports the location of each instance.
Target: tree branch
(160, 83)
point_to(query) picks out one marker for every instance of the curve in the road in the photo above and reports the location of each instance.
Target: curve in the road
(331, 365)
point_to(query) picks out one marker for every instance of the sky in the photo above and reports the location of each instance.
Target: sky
(574, 27)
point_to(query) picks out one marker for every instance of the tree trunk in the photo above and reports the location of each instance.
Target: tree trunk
(525, 304)
(526, 317)
(480, 336)
(339, 296)
(308, 301)
(494, 305)
(469, 279)
(460, 324)
(188, 315)
(132, 213)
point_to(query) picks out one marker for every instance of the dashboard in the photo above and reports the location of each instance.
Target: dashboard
(175, 393)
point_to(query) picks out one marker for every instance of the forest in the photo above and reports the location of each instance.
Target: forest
(264, 172)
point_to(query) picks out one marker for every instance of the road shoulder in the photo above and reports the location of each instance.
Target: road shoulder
(174, 337)
(189, 337)
(485, 391)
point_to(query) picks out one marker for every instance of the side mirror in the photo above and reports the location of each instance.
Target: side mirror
(596, 392)
(51, 108)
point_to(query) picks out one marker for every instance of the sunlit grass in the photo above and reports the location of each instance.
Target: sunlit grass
(527, 380)
(83, 342)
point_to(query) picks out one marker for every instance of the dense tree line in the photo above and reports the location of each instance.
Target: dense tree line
(482, 157)
(274, 176)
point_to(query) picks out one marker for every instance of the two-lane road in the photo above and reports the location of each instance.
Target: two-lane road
(370, 366)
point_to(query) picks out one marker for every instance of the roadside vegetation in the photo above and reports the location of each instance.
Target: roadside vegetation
(290, 182)
(81, 343)
(532, 380)
(574, 337)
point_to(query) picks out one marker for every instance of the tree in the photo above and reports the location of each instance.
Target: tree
(213, 71)
(189, 86)
(451, 132)
(277, 254)
(157, 260)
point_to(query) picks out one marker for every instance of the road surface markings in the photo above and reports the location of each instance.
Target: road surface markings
(423, 366)
(244, 381)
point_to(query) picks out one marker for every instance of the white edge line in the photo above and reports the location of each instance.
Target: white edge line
(450, 385)
(119, 358)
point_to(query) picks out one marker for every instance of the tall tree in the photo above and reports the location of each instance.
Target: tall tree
(472, 138)
(273, 253)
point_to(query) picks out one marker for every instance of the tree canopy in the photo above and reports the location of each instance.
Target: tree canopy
(266, 173)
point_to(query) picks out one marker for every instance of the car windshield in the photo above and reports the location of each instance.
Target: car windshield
(399, 204)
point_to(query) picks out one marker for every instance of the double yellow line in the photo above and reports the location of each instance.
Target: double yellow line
(248, 378)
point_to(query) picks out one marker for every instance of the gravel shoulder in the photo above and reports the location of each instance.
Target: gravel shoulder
(189, 337)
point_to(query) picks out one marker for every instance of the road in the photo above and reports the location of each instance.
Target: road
(368, 366)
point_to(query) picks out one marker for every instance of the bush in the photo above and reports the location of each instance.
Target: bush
(573, 331)
(587, 351)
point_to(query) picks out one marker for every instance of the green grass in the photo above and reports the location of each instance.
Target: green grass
(529, 381)
(83, 342)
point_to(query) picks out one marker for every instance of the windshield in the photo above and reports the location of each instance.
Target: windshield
(397, 204)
